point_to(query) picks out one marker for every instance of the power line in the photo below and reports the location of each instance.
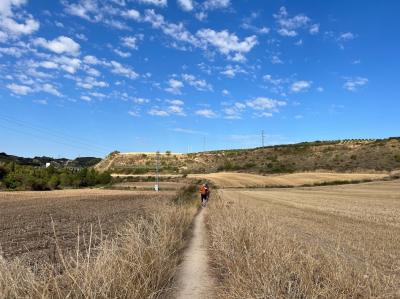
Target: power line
(66, 139)
(41, 139)
(52, 132)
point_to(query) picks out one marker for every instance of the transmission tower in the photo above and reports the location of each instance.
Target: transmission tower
(262, 138)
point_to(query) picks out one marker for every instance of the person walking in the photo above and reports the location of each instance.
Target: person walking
(204, 193)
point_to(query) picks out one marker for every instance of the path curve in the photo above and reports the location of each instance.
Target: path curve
(194, 279)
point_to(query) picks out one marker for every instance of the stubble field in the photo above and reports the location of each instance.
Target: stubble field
(91, 243)
(330, 242)
(27, 218)
(249, 180)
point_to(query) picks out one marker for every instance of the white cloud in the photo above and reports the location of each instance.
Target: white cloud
(286, 32)
(133, 113)
(231, 71)
(225, 92)
(131, 14)
(208, 113)
(90, 82)
(50, 89)
(186, 5)
(141, 101)
(265, 114)
(89, 59)
(68, 64)
(320, 89)
(288, 26)
(49, 64)
(122, 53)
(129, 42)
(352, 84)
(86, 98)
(197, 83)
(158, 112)
(60, 45)
(9, 25)
(12, 51)
(299, 42)
(154, 2)
(264, 103)
(344, 37)
(314, 29)
(234, 111)
(97, 95)
(6, 6)
(176, 102)
(176, 109)
(174, 86)
(92, 72)
(19, 89)
(216, 4)
(248, 24)
(300, 85)
(119, 69)
(86, 9)
(176, 31)
(14, 28)
(227, 42)
(276, 60)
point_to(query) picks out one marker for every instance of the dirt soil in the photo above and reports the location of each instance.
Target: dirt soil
(358, 223)
(194, 279)
(248, 180)
(26, 218)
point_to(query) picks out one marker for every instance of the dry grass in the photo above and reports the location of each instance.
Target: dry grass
(248, 180)
(325, 242)
(139, 263)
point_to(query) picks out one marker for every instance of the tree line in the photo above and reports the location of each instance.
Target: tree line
(23, 177)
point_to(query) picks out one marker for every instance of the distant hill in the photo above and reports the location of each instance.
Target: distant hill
(41, 161)
(341, 156)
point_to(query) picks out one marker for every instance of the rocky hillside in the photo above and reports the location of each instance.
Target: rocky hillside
(341, 156)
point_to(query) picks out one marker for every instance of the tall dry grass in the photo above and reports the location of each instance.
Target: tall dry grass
(139, 263)
(253, 257)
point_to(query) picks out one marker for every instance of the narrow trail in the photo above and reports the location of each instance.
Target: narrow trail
(194, 279)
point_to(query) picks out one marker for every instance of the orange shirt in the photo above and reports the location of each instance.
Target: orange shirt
(203, 190)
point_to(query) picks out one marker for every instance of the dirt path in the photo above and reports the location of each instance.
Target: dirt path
(194, 280)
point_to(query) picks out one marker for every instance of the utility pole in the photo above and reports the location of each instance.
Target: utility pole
(156, 187)
(262, 138)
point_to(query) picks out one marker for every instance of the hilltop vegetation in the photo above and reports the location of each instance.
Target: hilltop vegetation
(22, 177)
(340, 156)
(41, 161)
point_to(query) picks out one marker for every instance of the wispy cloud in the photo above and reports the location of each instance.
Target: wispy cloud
(353, 84)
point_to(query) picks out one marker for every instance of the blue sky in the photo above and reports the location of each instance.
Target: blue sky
(91, 76)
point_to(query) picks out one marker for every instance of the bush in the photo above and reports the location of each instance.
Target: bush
(19, 177)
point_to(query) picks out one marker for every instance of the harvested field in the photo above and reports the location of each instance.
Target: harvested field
(146, 232)
(248, 180)
(164, 186)
(26, 218)
(151, 175)
(330, 242)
